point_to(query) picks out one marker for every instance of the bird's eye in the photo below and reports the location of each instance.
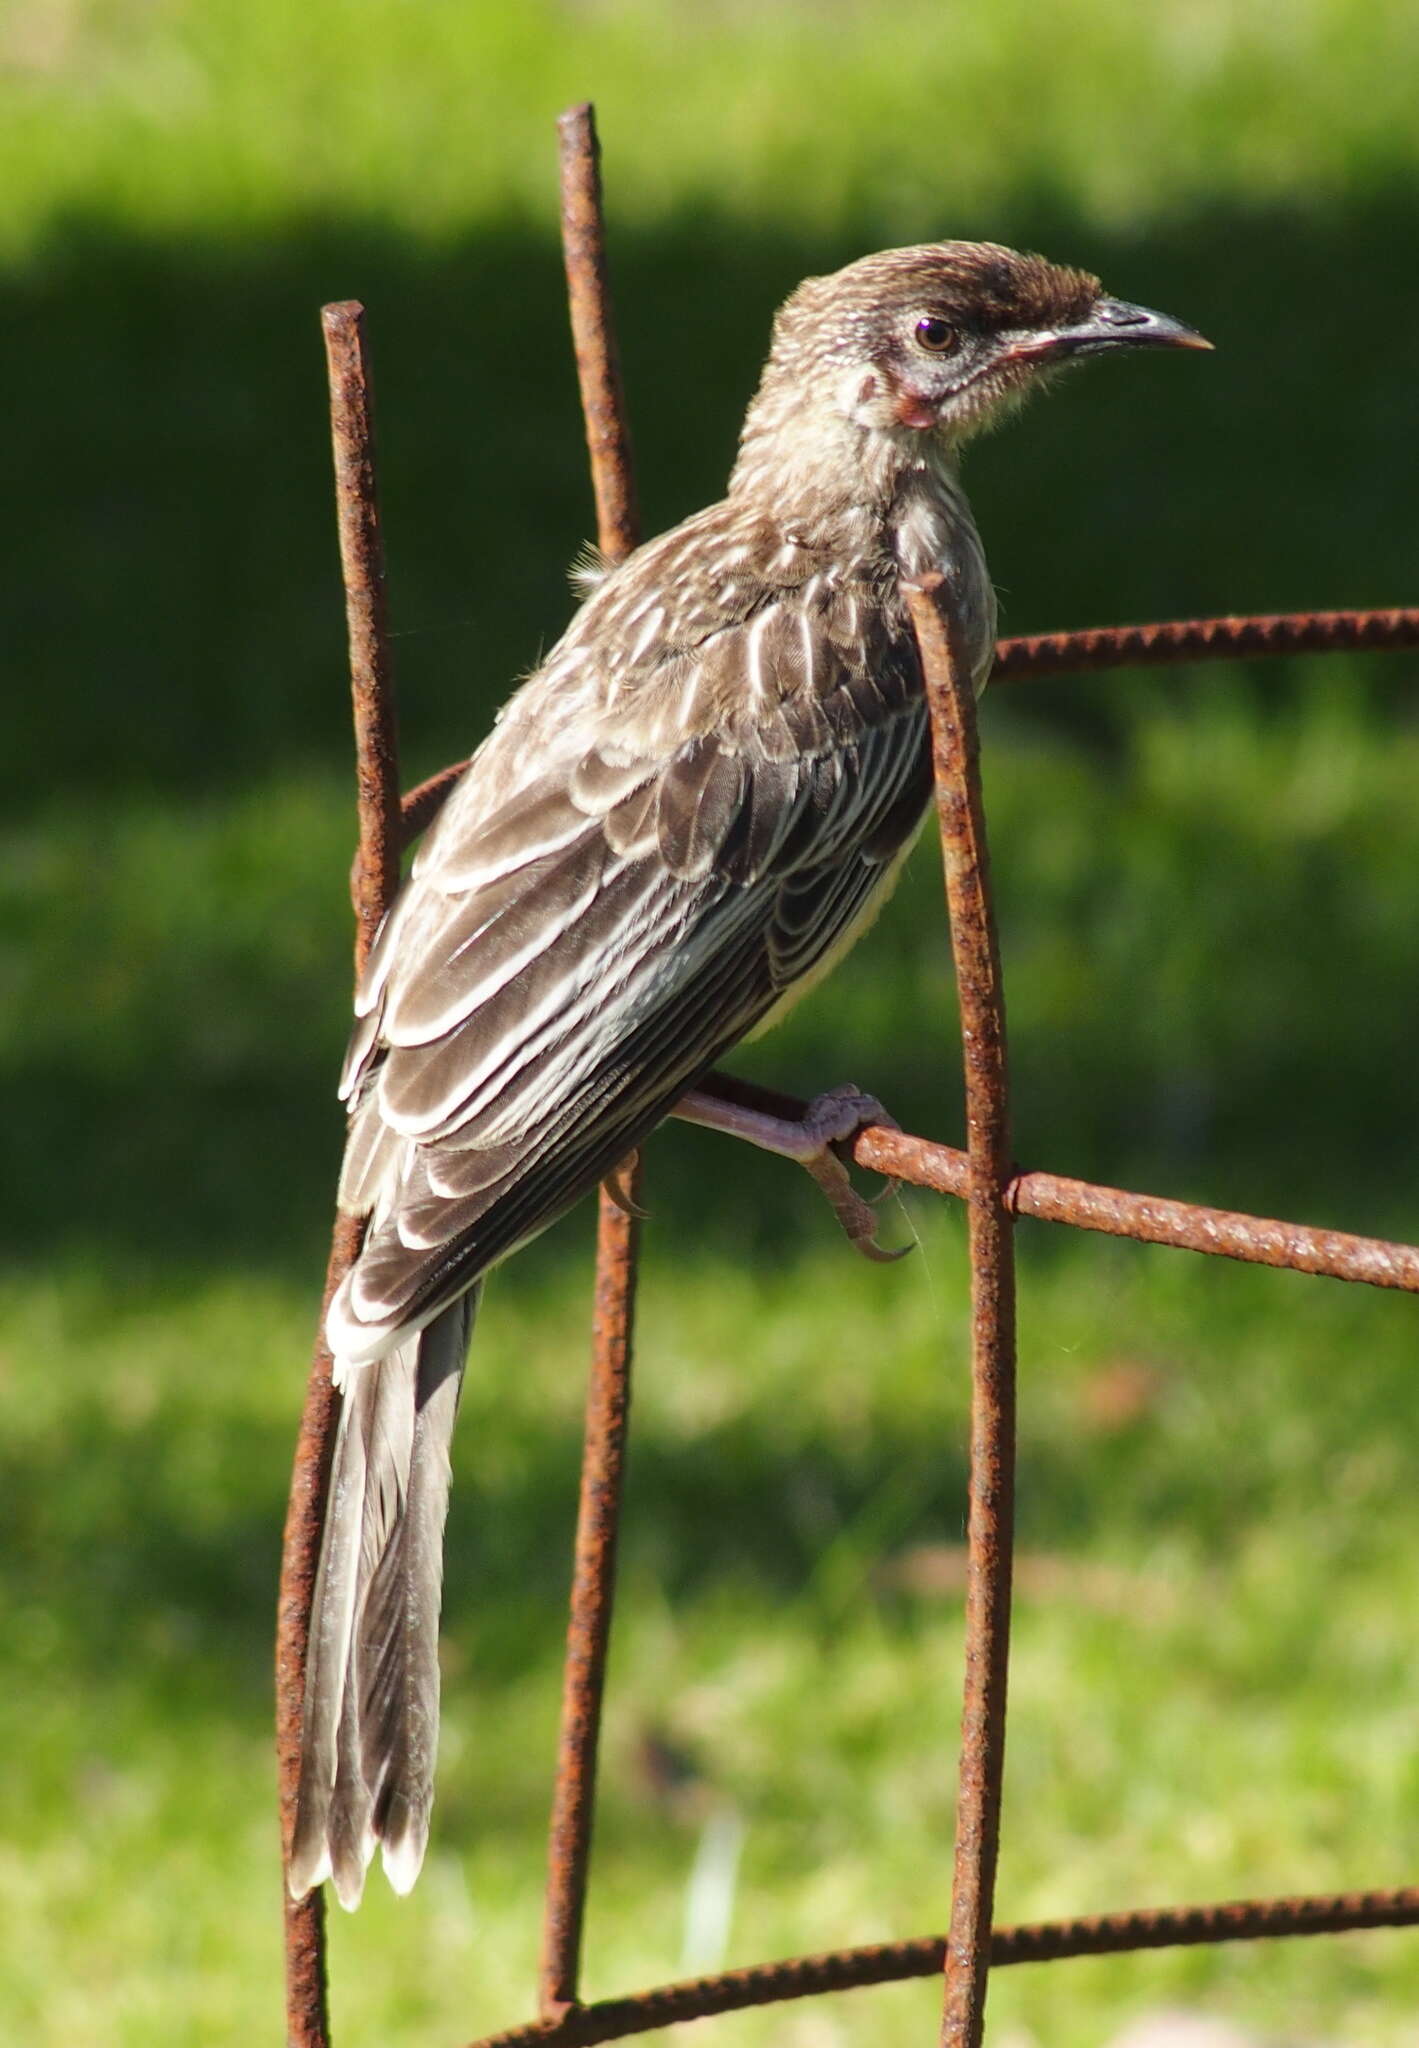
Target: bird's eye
(938, 337)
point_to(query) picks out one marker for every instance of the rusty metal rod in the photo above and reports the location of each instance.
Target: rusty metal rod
(1231, 639)
(852, 1969)
(589, 1626)
(381, 836)
(1147, 1219)
(423, 803)
(617, 1235)
(376, 876)
(1255, 1240)
(1105, 647)
(307, 2009)
(598, 366)
(955, 750)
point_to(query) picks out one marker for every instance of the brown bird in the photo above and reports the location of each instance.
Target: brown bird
(674, 830)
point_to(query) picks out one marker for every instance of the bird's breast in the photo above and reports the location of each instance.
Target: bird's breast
(866, 917)
(933, 531)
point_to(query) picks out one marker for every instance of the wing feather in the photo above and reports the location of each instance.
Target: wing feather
(567, 967)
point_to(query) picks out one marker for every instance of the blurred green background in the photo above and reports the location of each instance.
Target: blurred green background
(1205, 884)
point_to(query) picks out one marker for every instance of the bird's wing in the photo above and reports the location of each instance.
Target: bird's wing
(563, 966)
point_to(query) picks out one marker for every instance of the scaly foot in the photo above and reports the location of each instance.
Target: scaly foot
(831, 1120)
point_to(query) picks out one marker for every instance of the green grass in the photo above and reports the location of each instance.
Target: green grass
(1210, 1679)
(1206, 895)
(436, 117)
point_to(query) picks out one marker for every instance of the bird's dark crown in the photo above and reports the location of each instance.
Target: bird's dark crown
(978, 285)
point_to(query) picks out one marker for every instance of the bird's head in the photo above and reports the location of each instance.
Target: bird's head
(937, 341)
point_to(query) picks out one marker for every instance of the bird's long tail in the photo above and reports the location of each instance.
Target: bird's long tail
(370, 1729)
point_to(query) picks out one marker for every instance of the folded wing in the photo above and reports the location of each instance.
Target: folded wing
(566, 961)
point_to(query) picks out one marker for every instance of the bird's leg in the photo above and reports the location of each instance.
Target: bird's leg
(831, 1118)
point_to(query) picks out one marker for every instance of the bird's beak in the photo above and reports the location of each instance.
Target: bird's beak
(1112, 323)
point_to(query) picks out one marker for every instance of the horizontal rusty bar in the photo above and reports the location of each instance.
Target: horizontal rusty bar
(1106, 647)
(850, 1969)
(1256, 1240)
(1148, 1219)
(1220, 639)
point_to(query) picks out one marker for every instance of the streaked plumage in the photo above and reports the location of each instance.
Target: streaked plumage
(676, 823)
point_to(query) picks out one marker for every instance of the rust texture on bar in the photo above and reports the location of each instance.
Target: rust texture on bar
(598, 367)
(589, 1628)
(1148, 1219)
(307, 2014)
(376, 878)
(1232, 639)
(1256, 1240)
(854, 1969)
(422, 804)
(1107, 647)
(362, 561)
(617, 1235)
(955, 749)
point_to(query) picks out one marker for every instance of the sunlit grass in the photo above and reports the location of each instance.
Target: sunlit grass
(436, 117)
(1210, 1678)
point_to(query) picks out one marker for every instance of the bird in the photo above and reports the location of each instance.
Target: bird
(677, 825)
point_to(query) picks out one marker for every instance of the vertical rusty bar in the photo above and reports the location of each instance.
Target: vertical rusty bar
(990, 1526)
(362, 563)
(598, 365)
(618, 1235)
(589, 1626)
(375, 880)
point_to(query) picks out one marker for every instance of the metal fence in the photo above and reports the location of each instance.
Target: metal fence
(982, 1176)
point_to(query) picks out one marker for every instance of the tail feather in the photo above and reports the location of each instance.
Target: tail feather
(370, 1731)
(331, 1635)
(399, 1708)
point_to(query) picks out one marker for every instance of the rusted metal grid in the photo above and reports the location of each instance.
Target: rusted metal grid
(982, 1176)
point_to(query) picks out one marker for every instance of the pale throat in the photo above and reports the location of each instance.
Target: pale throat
(858, 487)
(813, 463)
(934, 531)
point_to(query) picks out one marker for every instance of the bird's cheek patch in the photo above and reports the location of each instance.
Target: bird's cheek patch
(861, 396)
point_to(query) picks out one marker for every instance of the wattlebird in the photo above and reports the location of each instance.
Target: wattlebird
(676, 827)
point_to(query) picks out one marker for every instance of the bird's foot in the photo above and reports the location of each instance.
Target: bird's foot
(835, 1118)
(830, 1121)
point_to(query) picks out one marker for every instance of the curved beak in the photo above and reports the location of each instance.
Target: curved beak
(1111, 323)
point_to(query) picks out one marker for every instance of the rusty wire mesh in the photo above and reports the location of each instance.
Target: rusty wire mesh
(983, 1176)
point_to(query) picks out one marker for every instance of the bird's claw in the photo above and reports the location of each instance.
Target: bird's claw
(615, 1186)
(831, 1120)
